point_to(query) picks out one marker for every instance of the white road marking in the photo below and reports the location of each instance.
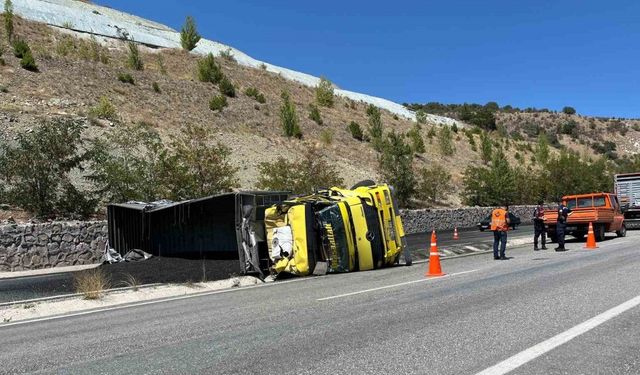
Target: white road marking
(472, 248)
(536, 351)
(392, 286)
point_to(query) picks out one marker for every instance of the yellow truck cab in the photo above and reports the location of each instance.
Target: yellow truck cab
(336, 230)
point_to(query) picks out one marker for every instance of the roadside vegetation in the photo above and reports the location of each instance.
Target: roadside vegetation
(91, 283)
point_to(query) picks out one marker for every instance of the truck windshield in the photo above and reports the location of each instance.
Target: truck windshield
(599, 202)
(585, 202)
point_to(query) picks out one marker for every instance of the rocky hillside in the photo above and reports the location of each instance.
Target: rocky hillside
(76, 70)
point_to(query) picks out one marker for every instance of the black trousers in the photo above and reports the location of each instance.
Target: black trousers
(560, 233)
(539, 231)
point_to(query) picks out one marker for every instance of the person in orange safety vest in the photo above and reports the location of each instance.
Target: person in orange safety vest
(500, 225)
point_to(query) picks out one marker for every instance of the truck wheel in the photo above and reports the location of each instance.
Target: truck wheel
(599, 232)
(407, 257)
(623, 231)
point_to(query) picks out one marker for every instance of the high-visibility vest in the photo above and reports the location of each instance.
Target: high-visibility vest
(499, 220)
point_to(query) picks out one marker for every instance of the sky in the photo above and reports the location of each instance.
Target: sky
(527, 53)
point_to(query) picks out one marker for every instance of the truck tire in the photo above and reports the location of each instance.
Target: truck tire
(599, 232)
(622, 232)
(407, 257)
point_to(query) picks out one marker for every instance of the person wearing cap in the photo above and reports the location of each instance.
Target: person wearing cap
(538, 227)
(500, 225)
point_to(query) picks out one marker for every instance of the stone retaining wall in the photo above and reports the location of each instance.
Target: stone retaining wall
(425, 220)
(34, 246)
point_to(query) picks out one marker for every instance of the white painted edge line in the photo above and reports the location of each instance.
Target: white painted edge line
(393, 286)
(536, 351)
(152, 302)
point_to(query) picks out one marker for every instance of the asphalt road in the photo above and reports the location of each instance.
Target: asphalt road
(513, 313)
(19, 289)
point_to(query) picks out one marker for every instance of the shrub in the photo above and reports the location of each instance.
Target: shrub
(8, 19)
(569, 110)
(156, 87)
(289, 117)
(20, 48)
(226, 87)
(252, 92)
(445, 141)
(263, 66)
(326, 137)
(395, 164)
(307, 175)
(126, 78)
(355, 130)
(36, 170)
(91, 283)
(486, 147)
(431, 133)
(375, 126)
(28, 62)
(189, 36)
(227, 55)
(324, 93)
(218, 102)
(209, 70)
(417, 144)
(104, 110)
(160, 62)
(134, 59)
(314, 114)
(434, 183)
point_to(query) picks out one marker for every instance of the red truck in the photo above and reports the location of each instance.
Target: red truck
(601, 209)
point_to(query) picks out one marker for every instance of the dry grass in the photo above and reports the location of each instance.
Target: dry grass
(91, 283)
(129, 281)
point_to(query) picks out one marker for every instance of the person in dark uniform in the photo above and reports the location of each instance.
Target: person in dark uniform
(538, 227)
(563, 215)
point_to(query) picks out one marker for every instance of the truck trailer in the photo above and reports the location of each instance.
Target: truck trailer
(627, 189)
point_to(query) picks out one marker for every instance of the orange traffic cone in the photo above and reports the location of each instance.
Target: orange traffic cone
(455, 233)
(591, 239)
(434, 258)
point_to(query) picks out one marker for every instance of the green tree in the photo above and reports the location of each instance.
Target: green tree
(197, 166)
(289, 117)
(492, 186)
(395, 164)
(542, 149)
(189, 36)
(375, 127)
(324, 93)
(134, 58)
(445, 141)
(209, 70)
(227, 88)
(305, 176)
(127, 164)
(569, 110)
(421, 116)
(434, 183)
(486, 147)
(417, 143)
(8, 19)
(36, 170)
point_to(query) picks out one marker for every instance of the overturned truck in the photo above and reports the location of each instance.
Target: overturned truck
(336, 230)
(331, 231)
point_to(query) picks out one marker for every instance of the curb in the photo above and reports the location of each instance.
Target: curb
(69, 296)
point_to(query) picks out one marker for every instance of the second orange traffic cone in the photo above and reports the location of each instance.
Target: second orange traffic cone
(434, 258)
(591, 239)
(455, 233)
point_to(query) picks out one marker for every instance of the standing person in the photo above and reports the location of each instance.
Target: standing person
(538, 226)
(563, 214)
(500, 225)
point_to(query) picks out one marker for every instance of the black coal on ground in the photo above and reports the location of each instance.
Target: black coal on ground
(170, 270)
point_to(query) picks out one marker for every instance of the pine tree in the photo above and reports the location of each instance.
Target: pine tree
(189, 36)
